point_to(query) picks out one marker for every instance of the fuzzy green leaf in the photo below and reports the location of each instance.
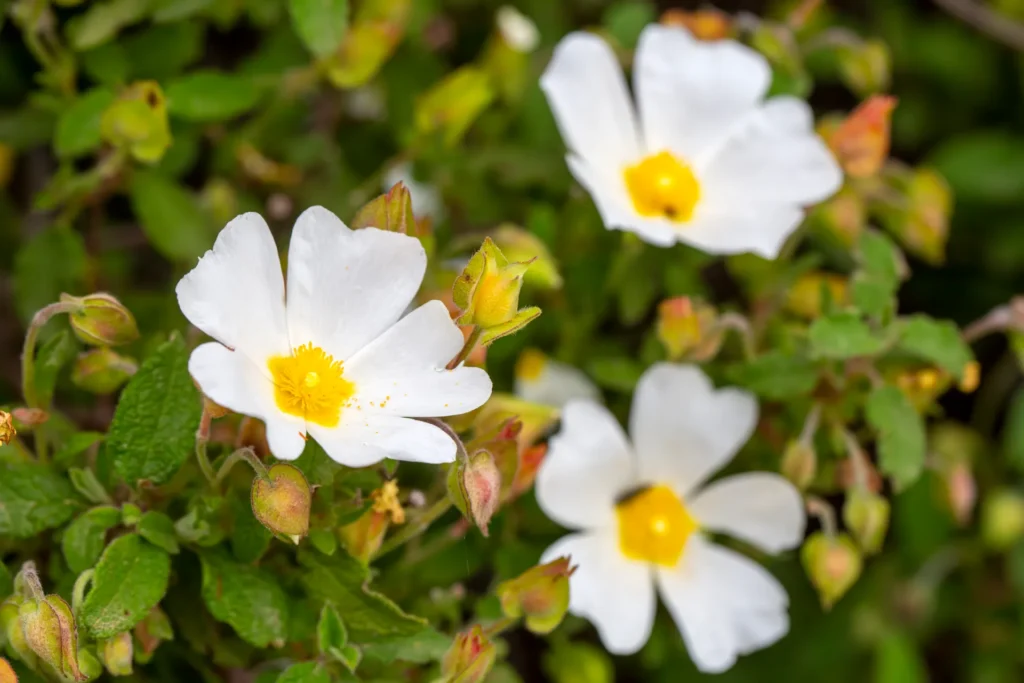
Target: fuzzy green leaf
(247, 598)
(33, 498)
(777, 375)
(153, 431)
(85, 537)
(211, 96)
(304, 672)
(843, 335)
(901, 435)
(170, 216)
(321, 24)
(78, 128)
(158, 529)
(131, 579)
(937, 341)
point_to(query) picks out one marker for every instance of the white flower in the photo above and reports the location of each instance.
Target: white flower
(539, 379)
(426, 200)
(643, 516)
(709, 162)
(517, 29)
(336, 361)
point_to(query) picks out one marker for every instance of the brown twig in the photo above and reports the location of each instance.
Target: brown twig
(992, 24)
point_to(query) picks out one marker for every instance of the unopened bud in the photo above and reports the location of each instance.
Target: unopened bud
(521, 246)
(10, 622)
(149, 633)
(865, 68)
(7, 430)
(686, 328)
(487, 293)
(921, 222)
(866, 515)
(541, 594)
(392, 211)
(137, 121)
(861, 142)
(102, 370)
(7, 674)
(844, 216)
(705, 24)
(833, 565)
(502, 443)
(116, 654)
(799, 463)
(475, 487)
(806, 297)
(1002, 519)
(29, 418)
(470, 657)
(50, 632)
(101, 320)
(363, 537)
(961, 491)
(282, 501)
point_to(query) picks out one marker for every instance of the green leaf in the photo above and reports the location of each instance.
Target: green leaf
(102, 21)
(331, 636)
(153, 430)
(426, 646)
(6, 581)
(249, 538)
(304, 672)
(158, 529)
(843, 335)
(88, 485)
(247, 598)
(211, 96)
(78, 128)
(876, 282)
(321, 24)
(75, 444)
(897, 660)
(131, 578)
(33, 498)
(1013, 432)
(170, 216)
(937, 341)
(316, 465)
(777, 375)
(57, 352)
(616, 373)
(983, 166)
(85, 537)
(901, 435)
(36, 282)
(341, 580)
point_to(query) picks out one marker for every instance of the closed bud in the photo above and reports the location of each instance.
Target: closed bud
(921, 221)
(154, 629)
(799, 463)
(806, 297)
(451, 106)
(469, 659)
(704, 24)
(961, 491)
(102, 370)
(487, 293)
(1002, 519)
(282, 501)
(363, 537)
(50, 632)
(29, 418)
(861, 142)
(502, 442)
(866, 515)
(518, 245)
(10, 622)
(116, 654)
(866, 67)
(475, 487)
(101, 320)
(833, 565)
(541, 595)
(686, 328)
(392, 211)
(7, 430)
(137, 122)
(844, 216)
(7, 674)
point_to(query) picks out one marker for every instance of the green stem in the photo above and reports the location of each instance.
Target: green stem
(28, 366)
(825, 514)
(500, 626)
(242, 454)
(415, 527)
(78, 592)
(202, 438)
(468, 347)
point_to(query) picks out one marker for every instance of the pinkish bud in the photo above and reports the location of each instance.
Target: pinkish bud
(29, 418)
(101, 320)
(961, 490)
(469, 659)
(541, 594)
(282, 501)
(866, 515)
(861, 142)
(116, 654)
(475, 488)
(833, 565)
(686, 328)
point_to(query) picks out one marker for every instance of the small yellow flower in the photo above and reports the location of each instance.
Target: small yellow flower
(7, 430)
(385, 502)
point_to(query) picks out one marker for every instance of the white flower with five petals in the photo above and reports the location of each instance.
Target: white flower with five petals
(330, 355)
(642, 514)
(706, 160)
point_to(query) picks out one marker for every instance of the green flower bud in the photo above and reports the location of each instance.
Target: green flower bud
(1002, 519)
(102, 370)
(392, 212)
(137, 122)
(475, 487)
(283, 501)
(116, 654)
(541, 594)
(487, 292)
(833, 565)
(866, 515)
(799, 463)
(11, 624)
(101, 320)
(50, 632)
(469, 659)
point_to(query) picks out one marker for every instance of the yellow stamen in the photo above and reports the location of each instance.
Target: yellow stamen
(662, 185)
(310, 384)
(654, 526)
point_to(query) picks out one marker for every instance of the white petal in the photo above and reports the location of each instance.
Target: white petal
(230, 379)
(768, 161)
(789, 114)
(402, 372)
(691, 93)
(588, 97)
(588, 465)
(724, 604)
(361, 440)
(758, 507)
(738, 229)
(557, 384)
(613, 593)
(236, 292)
(345, 287)
(684, 429)
(608, 190)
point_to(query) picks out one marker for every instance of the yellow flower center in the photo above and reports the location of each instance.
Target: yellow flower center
(654, 526)
(662, 185)
(310, 384)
